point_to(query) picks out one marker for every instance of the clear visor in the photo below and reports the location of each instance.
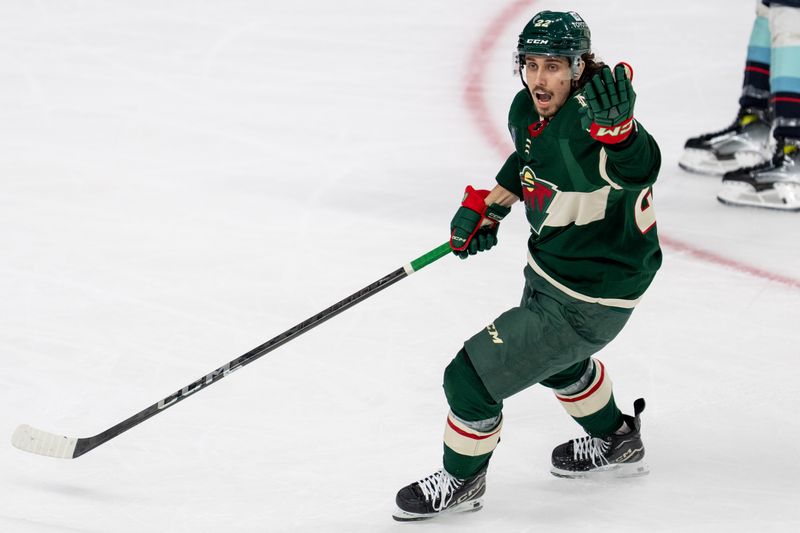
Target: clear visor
(551, 67)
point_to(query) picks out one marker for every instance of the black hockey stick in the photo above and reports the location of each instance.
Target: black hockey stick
(34, 440)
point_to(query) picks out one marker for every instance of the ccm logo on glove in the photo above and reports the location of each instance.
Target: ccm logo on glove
(474, 227)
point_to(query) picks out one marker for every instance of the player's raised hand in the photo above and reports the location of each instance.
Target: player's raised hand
(610, 100)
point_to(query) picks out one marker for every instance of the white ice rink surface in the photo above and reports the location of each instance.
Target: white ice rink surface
(180, 181)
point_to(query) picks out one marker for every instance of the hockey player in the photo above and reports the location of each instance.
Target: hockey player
(760, 170)
(584, 167)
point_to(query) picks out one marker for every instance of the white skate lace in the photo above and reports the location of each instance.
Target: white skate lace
(438, 488)
(590, 448)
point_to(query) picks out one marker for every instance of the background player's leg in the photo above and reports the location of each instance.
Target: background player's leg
(745, 142)
(784, 22)
(756, 84)
(776, 183)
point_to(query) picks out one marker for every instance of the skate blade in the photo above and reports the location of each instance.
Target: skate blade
(467, 507)
(706, 163)
(781, 198)
(624, 470)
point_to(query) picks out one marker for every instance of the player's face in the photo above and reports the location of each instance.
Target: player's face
(549, 80)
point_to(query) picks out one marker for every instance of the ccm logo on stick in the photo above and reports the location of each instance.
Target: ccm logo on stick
(197, 385)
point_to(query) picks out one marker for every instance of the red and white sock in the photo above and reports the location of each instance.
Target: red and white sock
(591, 398)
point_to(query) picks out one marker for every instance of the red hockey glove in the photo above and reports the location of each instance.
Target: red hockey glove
(474, 226)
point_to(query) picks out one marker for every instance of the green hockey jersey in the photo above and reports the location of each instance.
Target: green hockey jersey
(589, 206)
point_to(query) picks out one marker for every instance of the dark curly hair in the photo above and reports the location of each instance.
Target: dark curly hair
(593, 67)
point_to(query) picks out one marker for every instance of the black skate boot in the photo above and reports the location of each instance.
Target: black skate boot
(771, 185)
(744, 143)
(618, 455)
(438, 494)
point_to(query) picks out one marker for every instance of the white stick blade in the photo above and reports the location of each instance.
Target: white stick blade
(30, 439)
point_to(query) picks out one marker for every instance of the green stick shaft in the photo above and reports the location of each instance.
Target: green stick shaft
(425, 260)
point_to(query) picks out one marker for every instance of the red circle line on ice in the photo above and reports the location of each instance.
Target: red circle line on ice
(475, 97)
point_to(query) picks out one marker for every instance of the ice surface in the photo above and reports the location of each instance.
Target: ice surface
(181, 181)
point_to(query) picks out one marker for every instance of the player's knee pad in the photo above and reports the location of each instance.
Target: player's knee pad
(589, 394)
(466, 394)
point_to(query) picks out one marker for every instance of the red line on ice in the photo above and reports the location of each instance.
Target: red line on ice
(479, 60)
(475, 97)
(711, 257)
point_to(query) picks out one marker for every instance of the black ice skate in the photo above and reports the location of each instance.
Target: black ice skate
(438, 494)
(744, 143)
(771, 185)
(615, 455)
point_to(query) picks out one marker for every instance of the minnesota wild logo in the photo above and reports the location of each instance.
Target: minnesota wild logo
(538, 195)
